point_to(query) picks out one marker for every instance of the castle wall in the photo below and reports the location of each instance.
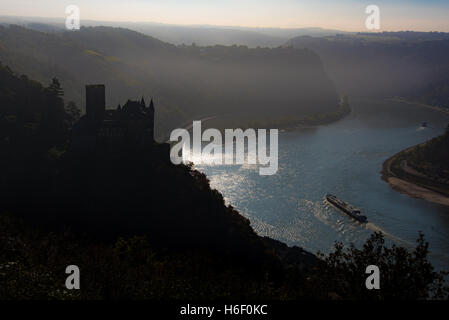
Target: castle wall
(131, 126)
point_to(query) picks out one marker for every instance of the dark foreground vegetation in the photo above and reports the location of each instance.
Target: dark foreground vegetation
(32, 266)
(141, 228)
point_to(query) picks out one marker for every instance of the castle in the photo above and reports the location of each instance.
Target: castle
(129, 126)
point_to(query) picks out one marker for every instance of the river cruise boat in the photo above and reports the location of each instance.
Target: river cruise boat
(346, 208)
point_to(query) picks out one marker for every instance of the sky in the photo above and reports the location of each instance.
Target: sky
(349, 15)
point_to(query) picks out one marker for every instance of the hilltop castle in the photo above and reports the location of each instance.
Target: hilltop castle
(129, 126)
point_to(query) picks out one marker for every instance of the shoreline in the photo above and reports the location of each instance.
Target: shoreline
(409, 188)
(428, 106)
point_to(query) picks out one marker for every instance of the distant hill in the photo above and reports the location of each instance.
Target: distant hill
(186, 81)
(202, 35)
(217, 35)
(410, 64)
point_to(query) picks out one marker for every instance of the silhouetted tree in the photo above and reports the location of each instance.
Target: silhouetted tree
(403, 274)
(73, 112)
(55, 87)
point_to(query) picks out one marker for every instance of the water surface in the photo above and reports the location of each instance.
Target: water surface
(345, 159)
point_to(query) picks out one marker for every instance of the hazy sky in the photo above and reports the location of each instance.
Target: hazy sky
(430, 15)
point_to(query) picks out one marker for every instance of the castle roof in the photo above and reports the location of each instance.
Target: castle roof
(133, 108)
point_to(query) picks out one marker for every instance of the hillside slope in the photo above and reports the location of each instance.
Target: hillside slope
(186, 81)
(409, 64)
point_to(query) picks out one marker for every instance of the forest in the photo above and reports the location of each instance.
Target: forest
(432, 158)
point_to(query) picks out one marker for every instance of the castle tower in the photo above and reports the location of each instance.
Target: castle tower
(95, 102)
(150, 112)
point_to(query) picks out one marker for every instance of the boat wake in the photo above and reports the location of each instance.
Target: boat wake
(342, 227)
(375, 228)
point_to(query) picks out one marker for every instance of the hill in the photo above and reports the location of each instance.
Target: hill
(202, 35)
(425, 166)
(186, 81)
(408, 64)
(125, 191)
(103, 196)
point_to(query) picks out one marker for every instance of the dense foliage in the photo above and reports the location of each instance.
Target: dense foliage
(32, 266)
(426, 164)
(31, 115)
(34, 129)
(404, 274)
(433, 156)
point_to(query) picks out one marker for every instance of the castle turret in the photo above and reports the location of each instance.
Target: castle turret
(131, 124)
(95, 102)
(150, 112)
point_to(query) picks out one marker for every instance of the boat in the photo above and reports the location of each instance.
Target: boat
(346, 208)
(424, 125)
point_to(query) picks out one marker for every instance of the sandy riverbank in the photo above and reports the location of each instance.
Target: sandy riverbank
(411, 189)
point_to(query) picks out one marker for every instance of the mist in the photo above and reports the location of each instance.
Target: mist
(187, 82)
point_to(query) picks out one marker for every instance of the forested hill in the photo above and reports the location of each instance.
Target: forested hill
(186, 81)
(107, 194)
(203, 35)
(409, 64)
(33, 118)
(432, 158)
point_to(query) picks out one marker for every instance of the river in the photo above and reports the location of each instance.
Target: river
(344, 158)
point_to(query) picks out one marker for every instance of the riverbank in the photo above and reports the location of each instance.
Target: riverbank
(226, 121)
(399, 182)
(428, 106)
(305, 122)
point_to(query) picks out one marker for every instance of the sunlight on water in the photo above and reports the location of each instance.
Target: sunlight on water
(345, 159)
(225, 155)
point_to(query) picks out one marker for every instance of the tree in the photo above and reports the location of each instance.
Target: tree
(56, 88)
(73, 113)
(403, 274)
